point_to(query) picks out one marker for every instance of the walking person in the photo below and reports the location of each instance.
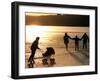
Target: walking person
(76, 42)
(34, 46)
(66, 40)
(85, 39)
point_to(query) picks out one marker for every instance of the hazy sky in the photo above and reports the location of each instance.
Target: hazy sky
(46, 19)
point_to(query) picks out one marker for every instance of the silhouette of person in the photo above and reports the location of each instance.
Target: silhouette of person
(85, 40)
(66, 40)
(34, 46)
(76, 42)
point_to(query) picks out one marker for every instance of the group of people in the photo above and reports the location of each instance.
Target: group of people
(85, 39)
(51, 51)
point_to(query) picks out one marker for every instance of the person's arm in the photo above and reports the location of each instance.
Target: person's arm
(38, 47)
(82, 37)
(69, 37)
(73, 38)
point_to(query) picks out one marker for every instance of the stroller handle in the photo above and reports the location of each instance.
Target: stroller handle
(41, 50)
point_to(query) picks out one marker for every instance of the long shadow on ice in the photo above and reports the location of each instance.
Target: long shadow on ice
(77, 58)
(82, 52)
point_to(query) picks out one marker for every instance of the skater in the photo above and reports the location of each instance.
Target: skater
(76, 42)
(47, 56)
(66, 40)
(85, 40)
(34, 46)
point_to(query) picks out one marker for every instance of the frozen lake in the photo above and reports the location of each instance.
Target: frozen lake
(52, 36)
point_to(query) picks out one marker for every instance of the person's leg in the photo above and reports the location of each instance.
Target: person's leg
(30, 58)
(33, 53)
(86, 45)
(67, 46)
(31, 63)
(78, 46)
(75, 47)
(83, 45)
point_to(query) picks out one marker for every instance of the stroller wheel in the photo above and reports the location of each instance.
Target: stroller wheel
(52, 61)
(44, 61)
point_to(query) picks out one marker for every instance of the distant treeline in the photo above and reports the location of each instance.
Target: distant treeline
(58, 20)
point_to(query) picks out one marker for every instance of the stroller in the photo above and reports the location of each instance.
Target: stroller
(48, 56)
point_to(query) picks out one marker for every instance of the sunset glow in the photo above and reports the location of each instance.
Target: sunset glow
(33, 31)
(36, 31)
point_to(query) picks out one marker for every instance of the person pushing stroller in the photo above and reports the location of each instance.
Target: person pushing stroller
(34, 47)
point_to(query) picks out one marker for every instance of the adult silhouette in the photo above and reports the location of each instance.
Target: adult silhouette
(66, 40)
(85, 39)
(34, 46)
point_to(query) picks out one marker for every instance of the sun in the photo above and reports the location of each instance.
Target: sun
(35, 31)
(39, 31)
